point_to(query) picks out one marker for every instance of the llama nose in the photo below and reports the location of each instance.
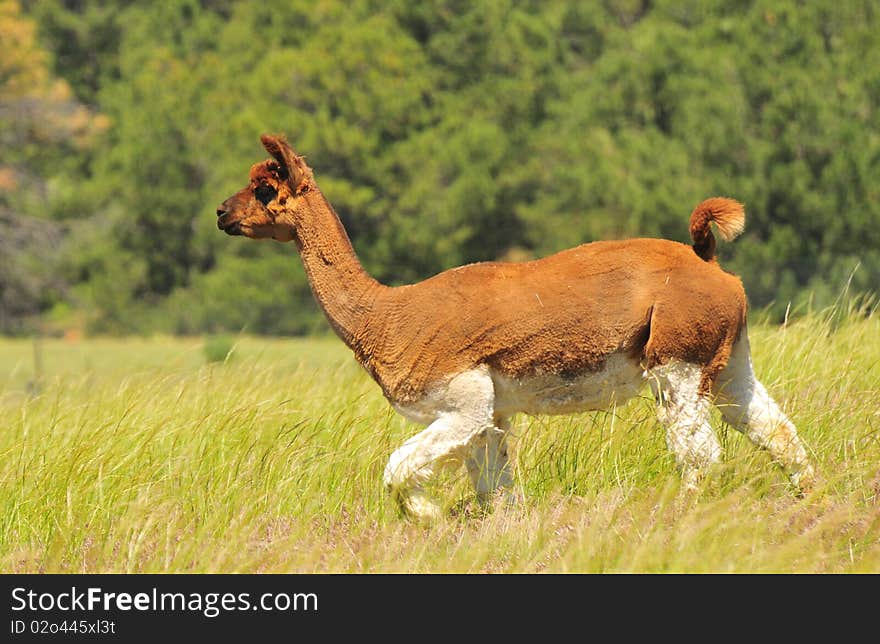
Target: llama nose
(221, 211)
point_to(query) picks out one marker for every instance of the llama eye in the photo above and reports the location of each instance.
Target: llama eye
(265, 194)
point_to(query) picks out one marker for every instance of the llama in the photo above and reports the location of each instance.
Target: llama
(584, 329)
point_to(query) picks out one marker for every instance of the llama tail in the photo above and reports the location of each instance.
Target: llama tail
(727, 214)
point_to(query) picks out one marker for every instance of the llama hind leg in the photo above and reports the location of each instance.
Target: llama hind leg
(684, 411)
(467, 412)
(489, 465)
(746, 405)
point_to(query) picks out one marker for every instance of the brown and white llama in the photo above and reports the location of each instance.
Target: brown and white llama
(463, 351)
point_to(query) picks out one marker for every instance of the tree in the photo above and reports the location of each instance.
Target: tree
(42, 126)
(443, 132)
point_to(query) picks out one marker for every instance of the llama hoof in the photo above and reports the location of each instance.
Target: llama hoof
(418, 506)
(505, 497)
(691, 480)
(804, 479)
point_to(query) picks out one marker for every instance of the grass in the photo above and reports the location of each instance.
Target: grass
(137, 455)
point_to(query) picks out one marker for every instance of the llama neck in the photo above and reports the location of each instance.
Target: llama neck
(343, 289)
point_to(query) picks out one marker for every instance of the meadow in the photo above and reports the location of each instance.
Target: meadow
(139, 455)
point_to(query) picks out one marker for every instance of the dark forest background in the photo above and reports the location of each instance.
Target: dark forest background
(442, 132)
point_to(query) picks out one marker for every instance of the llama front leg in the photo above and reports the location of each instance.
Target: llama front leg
(467, 402)
(443, 444)
(489, 465)
(746, 405)
(684, 411)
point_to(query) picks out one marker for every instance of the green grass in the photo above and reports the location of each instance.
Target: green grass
(139, 456)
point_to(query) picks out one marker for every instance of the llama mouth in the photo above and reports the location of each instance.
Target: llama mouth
(233, 228)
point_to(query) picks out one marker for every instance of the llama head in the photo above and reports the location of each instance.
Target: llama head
(268, 206)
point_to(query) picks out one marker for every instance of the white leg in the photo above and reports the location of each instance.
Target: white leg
(685, 414)
(489, 465)
(746, 405)
(467, 409)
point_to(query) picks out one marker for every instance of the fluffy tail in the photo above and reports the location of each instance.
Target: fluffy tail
(727, 214)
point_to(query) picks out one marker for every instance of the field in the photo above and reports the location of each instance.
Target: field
(138, 455)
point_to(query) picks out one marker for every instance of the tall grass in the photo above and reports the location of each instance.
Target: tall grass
(138, 456)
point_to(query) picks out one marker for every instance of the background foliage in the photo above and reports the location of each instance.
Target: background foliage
(442, 131)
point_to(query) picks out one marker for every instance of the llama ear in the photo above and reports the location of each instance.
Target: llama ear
(291, 164)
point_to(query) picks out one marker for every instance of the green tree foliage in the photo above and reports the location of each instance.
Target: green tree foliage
(44, 130)
(446, 132)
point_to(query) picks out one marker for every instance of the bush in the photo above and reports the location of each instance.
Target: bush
(218, 348)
